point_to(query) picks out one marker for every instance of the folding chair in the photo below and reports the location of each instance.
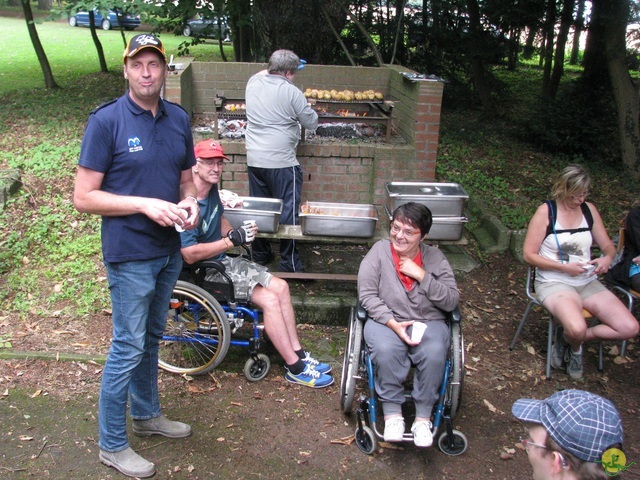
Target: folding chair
(533, 301)
(627, 292)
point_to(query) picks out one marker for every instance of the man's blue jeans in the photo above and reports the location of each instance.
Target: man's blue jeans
(140, 294)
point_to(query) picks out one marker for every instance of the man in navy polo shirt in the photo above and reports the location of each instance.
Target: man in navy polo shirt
(135, 171)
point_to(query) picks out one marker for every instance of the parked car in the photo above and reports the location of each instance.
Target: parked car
(207, 27)
(129, 21)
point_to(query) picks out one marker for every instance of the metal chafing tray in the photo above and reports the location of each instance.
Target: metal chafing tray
(265, 211)
(442, 228)
(338, 219)
(443, 199)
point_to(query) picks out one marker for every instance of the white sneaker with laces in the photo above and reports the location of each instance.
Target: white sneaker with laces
(422, 436)
(394, 429)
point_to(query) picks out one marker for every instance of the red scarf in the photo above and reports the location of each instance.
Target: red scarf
(406, 280)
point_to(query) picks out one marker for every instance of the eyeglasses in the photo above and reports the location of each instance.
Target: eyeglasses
(580, 195)
(211, 163)
(395, 229)
(526, 443)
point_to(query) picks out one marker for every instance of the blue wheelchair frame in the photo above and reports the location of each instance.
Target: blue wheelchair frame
(451, 441)
(202, 318)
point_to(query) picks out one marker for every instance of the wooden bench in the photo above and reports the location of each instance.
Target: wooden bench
(294, 232)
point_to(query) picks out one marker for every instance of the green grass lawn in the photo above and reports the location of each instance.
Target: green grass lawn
(72, 53)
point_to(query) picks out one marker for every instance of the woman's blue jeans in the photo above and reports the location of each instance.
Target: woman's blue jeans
(140, 294)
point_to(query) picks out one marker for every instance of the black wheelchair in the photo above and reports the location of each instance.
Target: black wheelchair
(204, 320)
(357, 365)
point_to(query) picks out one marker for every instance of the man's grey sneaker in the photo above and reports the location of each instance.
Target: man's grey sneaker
(558, 349)
(574, 364)
(320, 367)
(161, 426)
(310, 377)
(128, 463)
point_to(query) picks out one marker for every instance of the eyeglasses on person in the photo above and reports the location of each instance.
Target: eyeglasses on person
(395, 229)
(211, 163)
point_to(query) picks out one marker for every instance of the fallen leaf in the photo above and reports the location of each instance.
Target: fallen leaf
(491, 408)
(506, 456)
(35, 394)
(620, 360)
(63, 332)
(25, 438)
(345, 440)
(531, 350)
(305, 454)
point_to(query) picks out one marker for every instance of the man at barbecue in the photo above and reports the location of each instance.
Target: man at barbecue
(276, 109)
(252, 282)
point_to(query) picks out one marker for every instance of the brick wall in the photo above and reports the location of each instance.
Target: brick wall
(337, 171)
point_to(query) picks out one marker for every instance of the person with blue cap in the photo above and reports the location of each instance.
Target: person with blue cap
(572, 433)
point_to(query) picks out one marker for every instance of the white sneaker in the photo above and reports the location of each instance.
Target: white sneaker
(394, 429)
(422, 436)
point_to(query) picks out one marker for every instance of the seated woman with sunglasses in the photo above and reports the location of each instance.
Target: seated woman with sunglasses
(402, 282)
(558, 243)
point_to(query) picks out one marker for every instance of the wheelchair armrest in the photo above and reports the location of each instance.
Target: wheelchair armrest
(361, 313)
(212, 263)
(454, 316)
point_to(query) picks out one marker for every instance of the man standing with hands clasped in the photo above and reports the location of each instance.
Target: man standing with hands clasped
(135, 171)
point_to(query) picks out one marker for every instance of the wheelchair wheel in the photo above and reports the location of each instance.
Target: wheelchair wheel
(455, 446)
(197, 335)
(366, 439)
(454, 389)
(257, 369)
(350, 363)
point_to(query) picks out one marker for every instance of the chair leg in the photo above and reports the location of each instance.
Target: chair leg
(600, 357)
(623, 348)
(549, 346)
(521, 326)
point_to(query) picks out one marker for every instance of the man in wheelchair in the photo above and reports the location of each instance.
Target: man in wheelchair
(402, 283)
(269, 293)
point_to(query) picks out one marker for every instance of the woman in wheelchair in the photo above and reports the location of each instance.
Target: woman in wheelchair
(402, 282)
(269, 293)
(558, 244)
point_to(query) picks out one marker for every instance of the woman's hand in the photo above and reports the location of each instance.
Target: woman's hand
(401, 330)
(574, 268)
(411, 269)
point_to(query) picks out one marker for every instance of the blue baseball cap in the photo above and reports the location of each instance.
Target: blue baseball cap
(583, 423)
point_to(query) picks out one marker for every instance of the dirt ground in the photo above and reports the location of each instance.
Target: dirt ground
(271, 429)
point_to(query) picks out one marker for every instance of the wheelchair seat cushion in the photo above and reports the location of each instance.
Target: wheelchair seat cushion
(244, 274)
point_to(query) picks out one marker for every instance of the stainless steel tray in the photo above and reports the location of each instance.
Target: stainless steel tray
(265, 211)
(338, 219)
(443, 199)
(446, 228)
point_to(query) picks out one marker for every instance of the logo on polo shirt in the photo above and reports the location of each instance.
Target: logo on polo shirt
(134, 145)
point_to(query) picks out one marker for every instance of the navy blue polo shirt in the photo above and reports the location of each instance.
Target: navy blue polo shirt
(142, 156)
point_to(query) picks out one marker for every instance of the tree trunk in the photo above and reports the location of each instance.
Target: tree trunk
(96, 41)
(566, 18)
(529, 49)
(478, 71)
(295, 25)
(595, 72)
(577, 32)
(45, 5)
(625, 92)
(547, 59)
(49, 81)
(242, 30)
